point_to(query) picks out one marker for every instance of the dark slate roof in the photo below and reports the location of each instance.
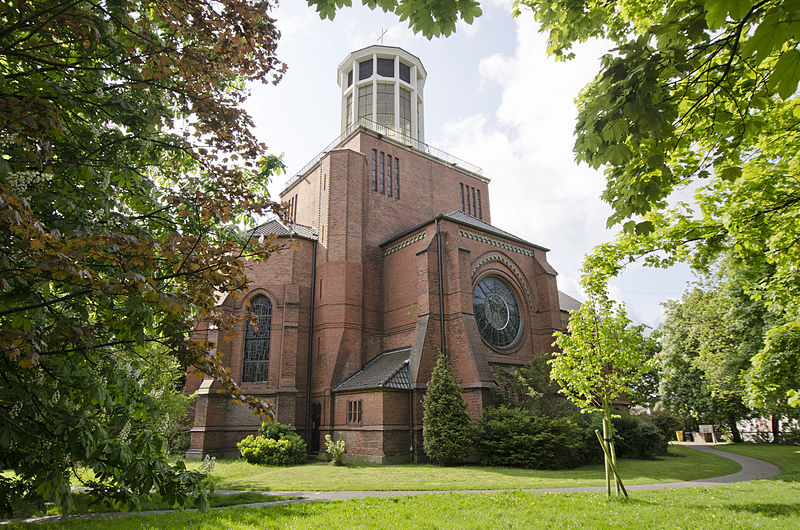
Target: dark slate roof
(567, 303)
(462, 218)
(387, 370)
(274, 226)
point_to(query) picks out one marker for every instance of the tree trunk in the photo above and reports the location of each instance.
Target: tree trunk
(776, 429)
(605, 457)
(737, 438)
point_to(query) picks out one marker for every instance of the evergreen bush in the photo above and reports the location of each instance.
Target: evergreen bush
(274, 445)
(445, 421)
(516, 438)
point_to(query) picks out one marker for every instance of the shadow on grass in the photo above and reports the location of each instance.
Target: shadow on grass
(769, 509)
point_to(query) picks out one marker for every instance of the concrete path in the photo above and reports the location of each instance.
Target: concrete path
(752, 469)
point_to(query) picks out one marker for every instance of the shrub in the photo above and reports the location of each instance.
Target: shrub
(274, 445)
(334, 449)
(275, 430)
(516, 438)
(666, 423)
(445, 421)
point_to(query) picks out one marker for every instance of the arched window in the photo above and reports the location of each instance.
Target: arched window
(256, 340)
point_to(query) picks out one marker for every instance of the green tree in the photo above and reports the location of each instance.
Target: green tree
(445, 421)
(530, 388)
(701, 93)
(601, 357)
(701, 362)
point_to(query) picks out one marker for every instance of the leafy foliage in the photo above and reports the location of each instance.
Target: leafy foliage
(699, 93)
(125, 167)
(602, 355)
(514, 437)
(701, 360)
(530, 388)
(431, 18)
(445, 421)
(335, 449)
(274, 445)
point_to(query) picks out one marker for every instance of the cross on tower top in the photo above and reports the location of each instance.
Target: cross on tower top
(380, 38)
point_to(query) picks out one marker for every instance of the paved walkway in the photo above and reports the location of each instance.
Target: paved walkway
(752, 469)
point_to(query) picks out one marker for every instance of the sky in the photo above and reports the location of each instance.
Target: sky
(493, 98)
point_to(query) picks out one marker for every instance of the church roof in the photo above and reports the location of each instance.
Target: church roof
(567, 303)
(462, 218)
(276, 227)
(387, 370)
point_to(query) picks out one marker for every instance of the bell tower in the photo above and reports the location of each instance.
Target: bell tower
(382, 89)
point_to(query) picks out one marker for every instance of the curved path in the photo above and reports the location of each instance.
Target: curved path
(752, 469)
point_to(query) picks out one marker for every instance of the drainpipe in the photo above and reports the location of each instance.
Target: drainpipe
(441, 285)
(311, 340)
(411, 422)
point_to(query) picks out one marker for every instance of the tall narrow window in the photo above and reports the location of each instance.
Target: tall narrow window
(374, 170)
(384, 114)
(474, 204)
(463, 208)
(396, 178)
(389, 175)
(480, 213)
(365, 102)
(405, 112)
(349, 110)
(469, 207)
(256, 340)
(383, 173)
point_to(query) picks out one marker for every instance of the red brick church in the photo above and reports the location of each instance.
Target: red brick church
(394, 258)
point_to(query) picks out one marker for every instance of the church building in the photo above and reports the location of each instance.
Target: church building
(393, 258)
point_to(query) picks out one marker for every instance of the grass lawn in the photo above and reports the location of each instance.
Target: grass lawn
(683, 464)
(772, 503)
(86, 503)
(761, 504)
(786, 457)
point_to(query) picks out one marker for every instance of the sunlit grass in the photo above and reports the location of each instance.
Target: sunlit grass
(683, 464)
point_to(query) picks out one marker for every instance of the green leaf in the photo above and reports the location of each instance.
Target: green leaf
(731, 173)
(786, 74)
(716, 13)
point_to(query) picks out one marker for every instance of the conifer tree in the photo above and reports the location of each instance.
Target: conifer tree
(445, 421)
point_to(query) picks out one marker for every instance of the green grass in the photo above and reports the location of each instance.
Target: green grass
(683, 464)
(771, 503)
(87, 503)
(762, 504)
(786, 457)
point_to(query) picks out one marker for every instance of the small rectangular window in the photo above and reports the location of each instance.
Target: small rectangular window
(463, 209)
(396, 178)
(405, 72)
(364, 69)
(374, 170)
(354, 412)
(480, 213)
(386, 67)
(389, 175)
(383, 173)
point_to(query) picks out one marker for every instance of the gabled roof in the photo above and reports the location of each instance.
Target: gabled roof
(276, 227)
(567, 303)
(462, 218)
(387, 370)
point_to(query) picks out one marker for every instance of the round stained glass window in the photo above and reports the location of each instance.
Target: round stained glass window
(497, 312)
